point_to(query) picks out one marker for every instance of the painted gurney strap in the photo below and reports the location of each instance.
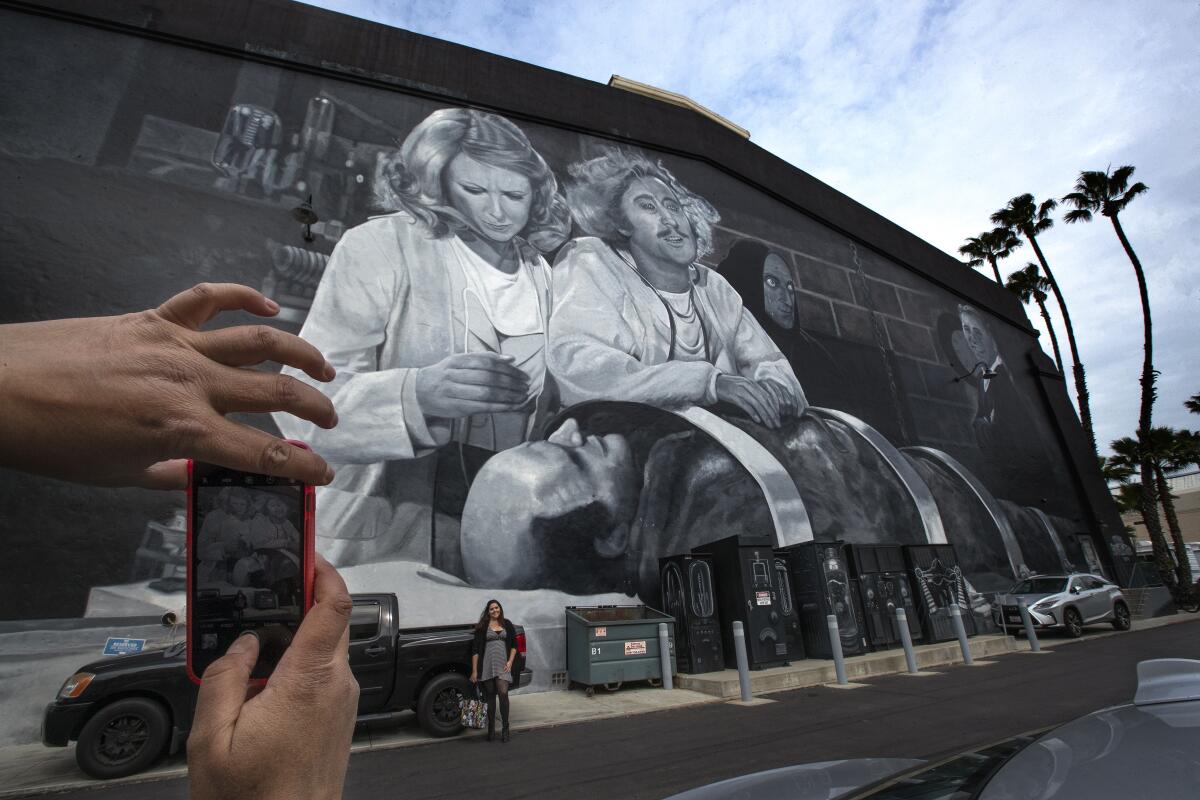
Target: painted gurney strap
(922, 498)
(1015, 559)
(788, 513)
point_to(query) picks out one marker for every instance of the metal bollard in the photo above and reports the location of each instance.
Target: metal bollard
(743, 663)
(956, 618)
(910, 658)
(835, 644)
(664, 656)
(1030, 633)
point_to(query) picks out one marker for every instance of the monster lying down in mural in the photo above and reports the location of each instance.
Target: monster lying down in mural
(617, 486)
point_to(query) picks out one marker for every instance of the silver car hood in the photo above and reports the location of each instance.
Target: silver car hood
(1030, 599)
(823, 780)
(1127, 751)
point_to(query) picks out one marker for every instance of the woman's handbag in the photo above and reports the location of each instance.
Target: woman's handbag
(474, 711)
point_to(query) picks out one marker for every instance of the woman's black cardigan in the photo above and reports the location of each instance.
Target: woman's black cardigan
(479, 646)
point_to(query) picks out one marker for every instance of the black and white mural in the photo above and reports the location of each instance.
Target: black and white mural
(560, 357)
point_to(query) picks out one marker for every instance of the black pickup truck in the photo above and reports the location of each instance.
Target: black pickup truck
(127, 712)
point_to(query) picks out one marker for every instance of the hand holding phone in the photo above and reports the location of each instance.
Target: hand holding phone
(250, 563)
(292, 739)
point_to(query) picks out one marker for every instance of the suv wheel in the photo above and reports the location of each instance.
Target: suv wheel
(123, 738)
(439, 709)
(1121, 620)
(1072, 623)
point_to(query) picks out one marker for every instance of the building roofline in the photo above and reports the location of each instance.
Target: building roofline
(314, 40)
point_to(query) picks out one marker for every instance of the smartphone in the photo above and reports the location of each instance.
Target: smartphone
(250, 563)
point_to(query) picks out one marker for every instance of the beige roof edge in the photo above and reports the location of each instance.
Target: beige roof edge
(675, 99)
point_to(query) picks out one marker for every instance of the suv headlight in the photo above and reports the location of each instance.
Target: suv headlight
(75, 685)
(1045, 605)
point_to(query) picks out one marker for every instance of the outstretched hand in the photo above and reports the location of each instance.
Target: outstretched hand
(123, 400)
(292, 739)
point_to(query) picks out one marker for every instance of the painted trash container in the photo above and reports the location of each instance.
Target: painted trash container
(608, 645)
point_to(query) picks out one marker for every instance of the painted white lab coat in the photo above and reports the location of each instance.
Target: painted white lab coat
(390, 301)
(604, 343)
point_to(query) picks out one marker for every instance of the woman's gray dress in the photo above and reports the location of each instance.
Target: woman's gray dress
(495, 657)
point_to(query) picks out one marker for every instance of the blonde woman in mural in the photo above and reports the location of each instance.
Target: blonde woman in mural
(637, 318)
(435, 317)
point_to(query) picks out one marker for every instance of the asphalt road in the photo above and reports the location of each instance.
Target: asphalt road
(653, 755)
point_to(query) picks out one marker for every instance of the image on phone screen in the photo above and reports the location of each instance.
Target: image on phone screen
(247, 564)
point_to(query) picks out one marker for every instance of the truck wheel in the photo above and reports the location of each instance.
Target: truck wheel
(439, 709)
(123, 738)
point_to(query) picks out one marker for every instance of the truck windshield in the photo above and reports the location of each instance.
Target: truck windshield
(1040, 586)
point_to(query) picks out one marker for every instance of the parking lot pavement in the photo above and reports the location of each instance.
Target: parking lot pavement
(626, 751)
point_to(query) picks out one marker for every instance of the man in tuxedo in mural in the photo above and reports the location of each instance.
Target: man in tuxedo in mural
(975, 356)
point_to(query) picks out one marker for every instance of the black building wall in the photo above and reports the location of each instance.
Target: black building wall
(110, 115)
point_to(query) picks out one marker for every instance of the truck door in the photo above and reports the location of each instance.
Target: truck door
(372, 654)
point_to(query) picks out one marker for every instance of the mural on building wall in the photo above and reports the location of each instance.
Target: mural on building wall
(560, 358)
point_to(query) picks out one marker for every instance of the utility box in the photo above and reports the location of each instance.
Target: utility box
(608, 645)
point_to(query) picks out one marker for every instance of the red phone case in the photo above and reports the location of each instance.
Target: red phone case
(308, 545)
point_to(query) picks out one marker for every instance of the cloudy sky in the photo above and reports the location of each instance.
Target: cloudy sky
(933, 114)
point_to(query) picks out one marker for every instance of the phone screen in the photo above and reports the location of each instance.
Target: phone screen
(248, 564)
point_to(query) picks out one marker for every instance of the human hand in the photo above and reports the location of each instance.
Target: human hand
(268, 746)
(471, 383)
(474, 676)
(750, 396)
(123, 400)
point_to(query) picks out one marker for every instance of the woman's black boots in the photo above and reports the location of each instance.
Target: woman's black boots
(504, 737)
(491, 728)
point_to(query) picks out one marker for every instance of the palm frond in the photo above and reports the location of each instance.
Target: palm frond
(1120, 179)
(1045, 208)
(1080, 199)
(1078, 215)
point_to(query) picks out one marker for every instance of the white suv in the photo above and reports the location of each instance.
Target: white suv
(1066, 602)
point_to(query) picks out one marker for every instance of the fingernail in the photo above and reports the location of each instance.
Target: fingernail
(273, 306)
(328, 474)
(330, 373)
(243, 643)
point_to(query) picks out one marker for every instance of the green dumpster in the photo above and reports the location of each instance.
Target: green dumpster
(608, 645)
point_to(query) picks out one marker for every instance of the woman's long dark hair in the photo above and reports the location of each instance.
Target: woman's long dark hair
(482, 625)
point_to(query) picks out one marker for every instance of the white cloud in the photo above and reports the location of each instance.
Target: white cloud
(933, 114)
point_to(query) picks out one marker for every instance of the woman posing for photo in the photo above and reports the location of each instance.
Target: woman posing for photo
(492, 654)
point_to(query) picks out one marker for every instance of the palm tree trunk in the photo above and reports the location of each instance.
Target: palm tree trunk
(1050, 328)
(1145, 416)
(995, 269)
(1182, 568)
(1085, 406)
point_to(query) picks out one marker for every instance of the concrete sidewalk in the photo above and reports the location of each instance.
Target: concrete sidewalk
(34, 769)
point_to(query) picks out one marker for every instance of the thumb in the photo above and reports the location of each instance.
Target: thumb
(223, 692)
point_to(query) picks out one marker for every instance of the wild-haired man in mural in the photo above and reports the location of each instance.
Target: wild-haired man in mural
(637, 318)
(435, 317)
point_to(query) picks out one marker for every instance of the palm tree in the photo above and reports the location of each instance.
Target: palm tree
(1028, 284)
(990, 247)
(1022, 215)
(1134, 454)
(1166, 450)
(1109, 195)
(1192, 404)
